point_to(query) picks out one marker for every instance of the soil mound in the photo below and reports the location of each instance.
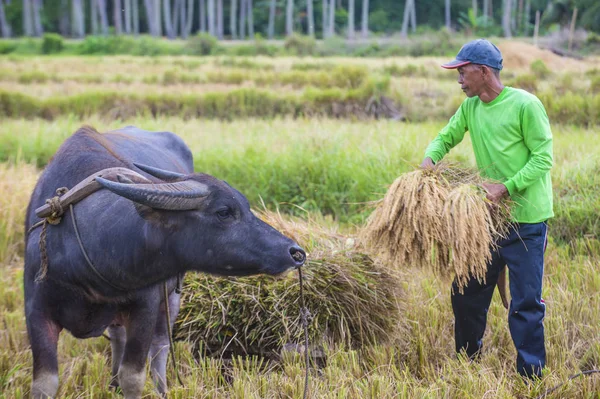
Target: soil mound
(520, 55)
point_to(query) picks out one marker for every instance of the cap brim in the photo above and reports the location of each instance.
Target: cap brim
(455, 64)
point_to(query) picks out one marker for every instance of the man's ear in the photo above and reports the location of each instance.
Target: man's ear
(485, 72)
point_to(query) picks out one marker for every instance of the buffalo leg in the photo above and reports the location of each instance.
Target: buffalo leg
(159, 350)
(117, 346)
(43, 337)
(140, 329)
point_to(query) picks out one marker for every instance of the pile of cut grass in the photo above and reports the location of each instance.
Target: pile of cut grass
(352, 300)
(439, 220)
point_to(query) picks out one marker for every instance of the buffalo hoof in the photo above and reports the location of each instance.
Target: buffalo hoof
(114, 386)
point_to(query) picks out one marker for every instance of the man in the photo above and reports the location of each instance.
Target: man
(512, 142)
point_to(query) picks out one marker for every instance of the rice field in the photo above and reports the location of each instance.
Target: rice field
(325, 172)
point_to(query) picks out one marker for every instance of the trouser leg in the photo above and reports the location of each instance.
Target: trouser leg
(524, 255)
(471, 308)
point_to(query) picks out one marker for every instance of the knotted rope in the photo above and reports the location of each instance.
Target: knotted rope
(54, 219)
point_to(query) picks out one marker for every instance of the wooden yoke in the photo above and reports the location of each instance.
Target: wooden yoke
(89, 185)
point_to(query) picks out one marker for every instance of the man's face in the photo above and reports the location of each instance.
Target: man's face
(471, 79)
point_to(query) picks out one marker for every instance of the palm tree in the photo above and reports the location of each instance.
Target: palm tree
(233, 20)
(405, 19)
(27, 18)
(37, 19)
(219, 19)
(202, 15)
(365, 19)
(117, 17)
(149, 7)
(157, 18)
(135, 17)
(4, 25)
(211, 18)
(350, 19)
(78, 18)
(271, 28)
(170, 24)
(189, 17)
(325, 20)
(506, 17)
(486, 4)
(63, 19)
(127, 8)
(93, 17)
(103, 17)
(289, 18)
(243, 8)
(447, 13)
(311, 17)
(331, 15)
(250, 19)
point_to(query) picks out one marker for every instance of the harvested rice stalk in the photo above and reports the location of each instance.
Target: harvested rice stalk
(406, 227)
(467, 222)
(438, 220)
(353, 300)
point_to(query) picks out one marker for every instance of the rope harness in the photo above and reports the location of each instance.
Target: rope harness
(306, 317)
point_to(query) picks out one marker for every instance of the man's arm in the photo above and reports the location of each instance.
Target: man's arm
(447, 138)
(537, 136)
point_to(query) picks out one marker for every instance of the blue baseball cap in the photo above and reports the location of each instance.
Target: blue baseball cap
(478, 51)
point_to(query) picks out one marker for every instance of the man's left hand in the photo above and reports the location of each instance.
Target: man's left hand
(495, 192)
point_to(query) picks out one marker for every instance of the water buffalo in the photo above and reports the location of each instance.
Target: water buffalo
(147, 220)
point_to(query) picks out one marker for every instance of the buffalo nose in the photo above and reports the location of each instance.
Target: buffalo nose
(298, 255)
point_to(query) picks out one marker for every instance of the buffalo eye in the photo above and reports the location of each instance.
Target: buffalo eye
(224, 214)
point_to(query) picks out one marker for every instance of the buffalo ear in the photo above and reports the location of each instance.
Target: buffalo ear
(165, 175)
(124, 179)
(157, 218)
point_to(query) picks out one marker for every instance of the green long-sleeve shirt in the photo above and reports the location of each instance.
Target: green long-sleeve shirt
(512, 142)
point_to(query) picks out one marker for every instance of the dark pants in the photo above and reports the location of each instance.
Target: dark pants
(523, 253)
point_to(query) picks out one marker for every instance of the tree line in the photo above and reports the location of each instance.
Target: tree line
(242, 19)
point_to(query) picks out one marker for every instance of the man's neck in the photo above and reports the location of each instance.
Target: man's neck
(491, 91)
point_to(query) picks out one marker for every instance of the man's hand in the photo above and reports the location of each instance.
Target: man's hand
(495, 192)
(427, 164)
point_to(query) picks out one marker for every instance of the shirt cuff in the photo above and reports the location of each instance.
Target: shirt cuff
(510, 186)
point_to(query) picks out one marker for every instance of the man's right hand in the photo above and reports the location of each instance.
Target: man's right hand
(427, 163)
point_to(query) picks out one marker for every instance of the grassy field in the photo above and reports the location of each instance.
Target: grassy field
(225, 87)
(326, 170)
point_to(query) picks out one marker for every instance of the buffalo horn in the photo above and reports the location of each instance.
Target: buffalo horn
(178, 196)
(162, 174)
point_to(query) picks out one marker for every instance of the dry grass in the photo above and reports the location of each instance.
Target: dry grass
(16, 181)
(438, 220)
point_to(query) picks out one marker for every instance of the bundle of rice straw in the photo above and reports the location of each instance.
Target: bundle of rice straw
(353, 300)
(438, 220)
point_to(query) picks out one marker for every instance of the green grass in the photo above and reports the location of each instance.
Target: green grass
(328, 166)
